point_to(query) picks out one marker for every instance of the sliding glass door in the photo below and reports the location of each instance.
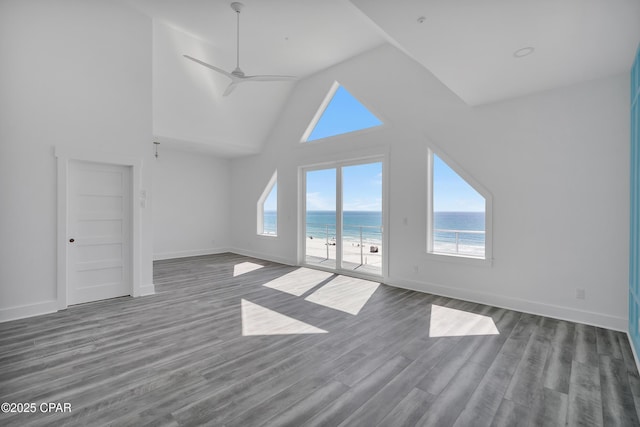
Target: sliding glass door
(343, 217)
(321, 215)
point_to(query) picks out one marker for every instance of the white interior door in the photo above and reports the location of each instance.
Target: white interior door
(99, 226)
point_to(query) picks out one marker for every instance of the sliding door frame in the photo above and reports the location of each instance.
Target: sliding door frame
(302, 213)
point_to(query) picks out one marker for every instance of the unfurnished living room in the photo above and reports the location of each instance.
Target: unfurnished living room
(319, 213)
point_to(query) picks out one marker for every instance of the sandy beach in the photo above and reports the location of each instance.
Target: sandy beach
(352, 256)
(448, 248)
(317, 248)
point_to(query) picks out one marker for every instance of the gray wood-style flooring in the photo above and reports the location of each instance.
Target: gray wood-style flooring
(200, 352)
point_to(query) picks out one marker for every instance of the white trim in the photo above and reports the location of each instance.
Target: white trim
(325, 103)
(64, 156)
(337, 138)
(538, 308)
(262, 256)
(147, 290)
(61, 236)
(185, 254)
(217, 251)
(30, 310)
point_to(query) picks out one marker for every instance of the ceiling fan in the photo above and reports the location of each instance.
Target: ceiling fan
(238, 76)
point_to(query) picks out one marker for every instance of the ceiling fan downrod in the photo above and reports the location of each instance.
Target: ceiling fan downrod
(237, 7)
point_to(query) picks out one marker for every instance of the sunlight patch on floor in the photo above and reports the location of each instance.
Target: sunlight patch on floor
(344, 293)
(448, 322)
(245, 267)
(259, 320)
(298, 281)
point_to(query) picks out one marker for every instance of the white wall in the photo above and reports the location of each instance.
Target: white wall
(188, 106)
(75, 74)
(556, 164)
(190, 204)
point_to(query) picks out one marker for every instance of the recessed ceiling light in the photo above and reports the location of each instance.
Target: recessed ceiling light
(525, 51)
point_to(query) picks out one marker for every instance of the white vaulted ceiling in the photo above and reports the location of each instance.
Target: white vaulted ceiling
(468, 45)
(289, 37)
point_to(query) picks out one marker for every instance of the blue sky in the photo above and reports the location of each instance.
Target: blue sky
(343, 114)
(362, 184)
(362, 188)
(451, 193)
(271, 202)
(321, 190)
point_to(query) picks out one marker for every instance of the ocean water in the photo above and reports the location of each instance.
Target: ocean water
(270, 222)
(473, 221)
(319, 223)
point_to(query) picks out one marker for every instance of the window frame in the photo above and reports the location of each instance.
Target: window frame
(260, 207)
(458, 258)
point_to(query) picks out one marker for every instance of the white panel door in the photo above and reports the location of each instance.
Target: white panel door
(99, 240)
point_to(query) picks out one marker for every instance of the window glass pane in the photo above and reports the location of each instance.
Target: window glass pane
(270, 212)
(362, 218)
(458, 214)
(343, 114)
(320, 247)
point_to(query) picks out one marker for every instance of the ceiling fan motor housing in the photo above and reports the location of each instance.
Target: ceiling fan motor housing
(237, 6)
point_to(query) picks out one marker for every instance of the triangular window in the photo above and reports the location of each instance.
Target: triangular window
(340, 113)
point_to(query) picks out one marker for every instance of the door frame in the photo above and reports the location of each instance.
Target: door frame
(302, 211)
(66, 155)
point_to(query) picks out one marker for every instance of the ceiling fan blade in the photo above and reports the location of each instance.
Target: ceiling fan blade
(267, 78)
(220, 70)
(237, 76)
(230, 88)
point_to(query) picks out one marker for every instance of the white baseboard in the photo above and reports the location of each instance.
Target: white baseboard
(48, 307)
(185, 254)
(266, 257)
(147, 290)
(531, 307)
(30, 310)
(633, 349)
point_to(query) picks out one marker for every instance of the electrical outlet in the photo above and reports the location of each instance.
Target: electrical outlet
(415, 268)
(580, 293)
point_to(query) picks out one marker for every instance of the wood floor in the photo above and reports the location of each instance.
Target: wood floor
(343, 352)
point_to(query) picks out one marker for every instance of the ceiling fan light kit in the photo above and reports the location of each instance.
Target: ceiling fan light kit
(238, 76)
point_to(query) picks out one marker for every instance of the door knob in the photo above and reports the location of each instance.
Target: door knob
(72, 240)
